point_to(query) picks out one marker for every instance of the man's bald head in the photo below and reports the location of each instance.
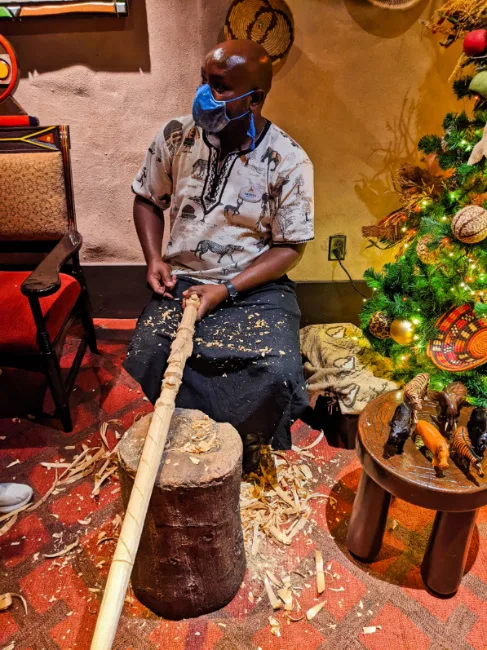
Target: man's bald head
(246, 61)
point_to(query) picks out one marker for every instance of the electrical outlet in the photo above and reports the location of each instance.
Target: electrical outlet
(337, 247)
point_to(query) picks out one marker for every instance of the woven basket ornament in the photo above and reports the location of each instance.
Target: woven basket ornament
(461, 342)
(267, 22)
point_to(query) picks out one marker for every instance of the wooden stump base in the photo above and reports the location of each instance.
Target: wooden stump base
(191, 558)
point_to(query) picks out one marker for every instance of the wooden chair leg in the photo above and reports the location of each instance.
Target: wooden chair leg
(59, 393)
(446, 555)
(85, 306)
(368, 520)
(87, 320)
(52, 369)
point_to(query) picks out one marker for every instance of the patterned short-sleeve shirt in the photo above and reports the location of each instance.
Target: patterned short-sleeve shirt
(223, 218)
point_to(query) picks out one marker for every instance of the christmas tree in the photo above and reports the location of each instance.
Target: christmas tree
(428, 309)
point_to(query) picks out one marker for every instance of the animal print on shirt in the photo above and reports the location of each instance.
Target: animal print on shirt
(213, 247)
(224, 212)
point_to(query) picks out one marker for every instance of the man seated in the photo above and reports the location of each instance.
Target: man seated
(239, 192)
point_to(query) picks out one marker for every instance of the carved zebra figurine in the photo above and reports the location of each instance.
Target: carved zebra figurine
(415, 392)
(462, 446)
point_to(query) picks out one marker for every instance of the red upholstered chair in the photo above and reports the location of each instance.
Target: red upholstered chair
(37, 220)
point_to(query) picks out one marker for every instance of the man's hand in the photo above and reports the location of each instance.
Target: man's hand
(210, 295)
(160, 279)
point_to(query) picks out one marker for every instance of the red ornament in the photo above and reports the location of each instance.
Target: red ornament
(475, 43)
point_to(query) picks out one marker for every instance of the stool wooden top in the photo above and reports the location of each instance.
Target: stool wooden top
(410, 475)
(177, 469)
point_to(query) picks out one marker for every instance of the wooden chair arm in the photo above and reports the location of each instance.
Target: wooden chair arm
(45, 280)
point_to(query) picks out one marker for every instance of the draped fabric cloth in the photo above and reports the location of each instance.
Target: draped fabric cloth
(246, 364)
(339, 359)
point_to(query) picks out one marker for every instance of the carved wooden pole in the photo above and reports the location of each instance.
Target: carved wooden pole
(128, 542)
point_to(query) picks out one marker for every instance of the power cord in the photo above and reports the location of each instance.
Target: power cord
(337, 251)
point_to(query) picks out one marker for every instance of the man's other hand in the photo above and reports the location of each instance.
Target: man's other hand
(210, 295)
(160, 278)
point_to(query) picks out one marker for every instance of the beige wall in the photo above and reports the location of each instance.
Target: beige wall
(359, 88)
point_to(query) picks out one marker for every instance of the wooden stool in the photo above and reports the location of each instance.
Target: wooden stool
(191, 557)
(411, 477)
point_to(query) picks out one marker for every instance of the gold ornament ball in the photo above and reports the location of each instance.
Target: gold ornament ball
(402, 331)
(380, 325)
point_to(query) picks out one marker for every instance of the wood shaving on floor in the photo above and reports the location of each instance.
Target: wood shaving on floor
(372, 629)
(313, 611)
(6, 601)
(275, 503)
(83, 464)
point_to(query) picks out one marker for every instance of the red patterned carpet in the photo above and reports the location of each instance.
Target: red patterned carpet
(63, 593)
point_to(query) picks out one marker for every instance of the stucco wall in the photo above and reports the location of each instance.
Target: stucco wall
(359, 88)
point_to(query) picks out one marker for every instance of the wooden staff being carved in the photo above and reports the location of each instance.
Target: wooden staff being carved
(128, 542)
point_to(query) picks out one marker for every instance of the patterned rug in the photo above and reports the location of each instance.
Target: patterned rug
(63, 593)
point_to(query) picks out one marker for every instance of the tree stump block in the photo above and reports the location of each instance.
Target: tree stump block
(191, 557)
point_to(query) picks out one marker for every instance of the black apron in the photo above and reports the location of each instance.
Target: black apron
(246, 366)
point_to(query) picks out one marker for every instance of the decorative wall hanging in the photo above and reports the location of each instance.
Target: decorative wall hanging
(268, 22)
(35, 8)
(9, 79)
(9, 71)
(395, 4)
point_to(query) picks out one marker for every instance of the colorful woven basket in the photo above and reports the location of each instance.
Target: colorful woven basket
(461, 343)
(268, 22)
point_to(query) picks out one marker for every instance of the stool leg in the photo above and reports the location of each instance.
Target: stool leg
(368, 520)
(444, 561)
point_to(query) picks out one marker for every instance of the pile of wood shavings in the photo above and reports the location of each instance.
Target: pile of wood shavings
(276, 502)
(284, 596)
(101, 459)
(202, 440)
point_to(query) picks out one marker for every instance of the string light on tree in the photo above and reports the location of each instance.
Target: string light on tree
(439, 265)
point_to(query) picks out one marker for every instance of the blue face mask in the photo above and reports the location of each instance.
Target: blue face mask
(211, 115)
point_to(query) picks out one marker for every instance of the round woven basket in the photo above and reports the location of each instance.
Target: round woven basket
(395, 4)
(268, 22)
(461, 340)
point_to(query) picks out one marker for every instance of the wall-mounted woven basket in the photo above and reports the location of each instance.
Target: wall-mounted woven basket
(395, 4)
(268, 22)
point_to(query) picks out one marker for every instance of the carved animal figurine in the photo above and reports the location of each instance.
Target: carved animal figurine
(477, 430)
(451, 401)
(415, 392)
(462, 445)
(435, 442)
(400, 427)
